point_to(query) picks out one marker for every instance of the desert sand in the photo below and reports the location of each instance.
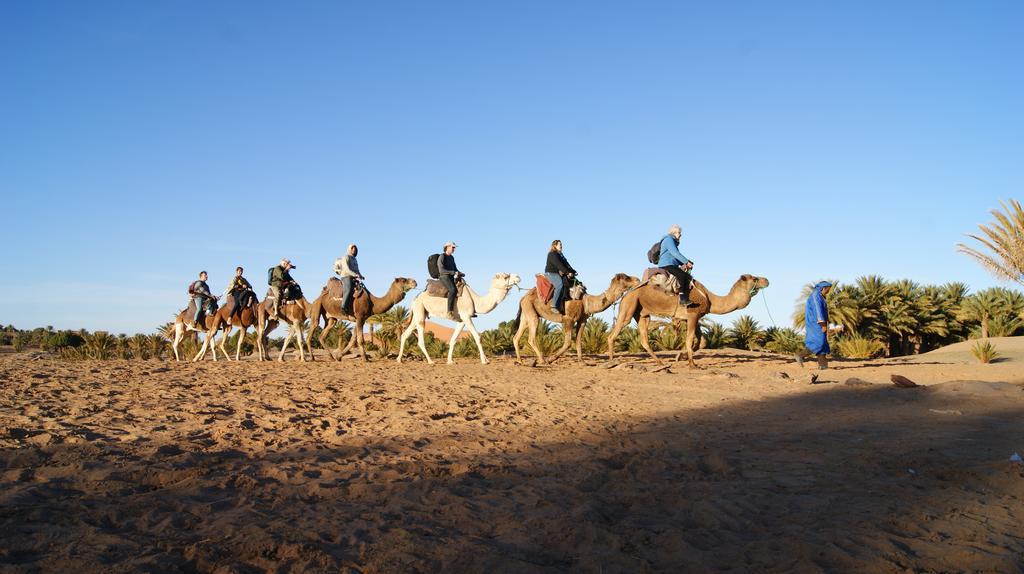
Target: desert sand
(741, 466)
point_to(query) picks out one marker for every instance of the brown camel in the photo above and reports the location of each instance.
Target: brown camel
(652, 300)
(243, 318)
(177, 332)
(574, 318)
(294, 313)
(364, 306)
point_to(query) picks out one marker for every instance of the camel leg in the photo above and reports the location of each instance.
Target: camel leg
(476, 337)
(617, 327)
(579, 338)
(422, 342)
(351, 343)
(405, 335)
(299, 340)
(531, 339)
(455, 337)
(357, 337)
(224, 339)
(179, 334)
(566, 342)
(284, 346)
(211, 338)
(241, 338)
(202, 349)
(691, 337)
(519, 333)
(642, 325)
(331, 322)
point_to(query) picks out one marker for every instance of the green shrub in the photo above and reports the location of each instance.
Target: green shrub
(784, 340)
(984, 351)
(856, 346)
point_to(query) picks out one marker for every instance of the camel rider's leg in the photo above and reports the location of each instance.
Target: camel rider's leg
(199, 309)
(684, 282)
(453, 294)
(346, 295)
(277, 294)
(559, 285)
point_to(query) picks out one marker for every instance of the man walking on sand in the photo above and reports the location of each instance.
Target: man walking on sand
(816, 326)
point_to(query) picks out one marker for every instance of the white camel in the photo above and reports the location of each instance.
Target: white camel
(468, 304)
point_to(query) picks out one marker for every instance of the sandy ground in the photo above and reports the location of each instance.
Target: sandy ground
(379, 467)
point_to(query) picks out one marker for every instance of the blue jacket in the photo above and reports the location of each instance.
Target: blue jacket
(816, 311)
(670, 254)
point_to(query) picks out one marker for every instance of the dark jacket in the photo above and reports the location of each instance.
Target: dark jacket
(280, 277)
(446, 265)
(201, 289)
(558, 264)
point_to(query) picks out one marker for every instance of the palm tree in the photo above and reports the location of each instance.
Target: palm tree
(628, 341)
(783, 340)
(715, 335)
(1004, 239)
(595, 336)
(981, 307)
(746, 333)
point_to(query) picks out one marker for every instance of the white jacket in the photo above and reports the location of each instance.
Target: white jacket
(347, 266)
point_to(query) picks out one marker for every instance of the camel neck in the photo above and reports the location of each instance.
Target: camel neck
(393, 296)
(737, 298)
(596, 303)
(488, 301)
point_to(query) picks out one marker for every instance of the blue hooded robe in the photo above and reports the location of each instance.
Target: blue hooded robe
(816, 311)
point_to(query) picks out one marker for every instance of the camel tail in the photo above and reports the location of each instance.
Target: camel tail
(515, 323)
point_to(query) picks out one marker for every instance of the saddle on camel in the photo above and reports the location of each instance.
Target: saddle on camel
(545, 290)
(208, 310)
(334, 289)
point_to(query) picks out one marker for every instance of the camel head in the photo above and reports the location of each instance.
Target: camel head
(404, 283)
(622, 282)
(504, 281)
(751, 283)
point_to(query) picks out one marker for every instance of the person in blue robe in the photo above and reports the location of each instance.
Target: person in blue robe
(816, 326)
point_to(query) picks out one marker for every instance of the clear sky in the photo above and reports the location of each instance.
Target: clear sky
(141, 142)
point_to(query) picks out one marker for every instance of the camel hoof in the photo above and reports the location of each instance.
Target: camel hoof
(485, 362)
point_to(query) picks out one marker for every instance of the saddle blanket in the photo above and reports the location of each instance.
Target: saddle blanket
(437, 289)
(333, 288)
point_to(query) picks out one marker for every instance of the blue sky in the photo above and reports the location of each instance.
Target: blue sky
(141, 142)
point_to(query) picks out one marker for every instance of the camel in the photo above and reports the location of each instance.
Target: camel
(574, 318)
(242, 318)
(652, 300)
(181, 327)
(294, 313)
(468, 304)
(364, 306)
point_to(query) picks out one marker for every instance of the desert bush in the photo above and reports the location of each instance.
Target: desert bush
(984, 351)
(595, 336)
(628, 341)
(745, 333)
(856, 346)
(783, 340)
(61, 339)
(714, 335)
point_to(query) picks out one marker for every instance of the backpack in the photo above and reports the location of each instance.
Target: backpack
(192, 289)
(654, 253)
(432, 268)
(270, 275)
